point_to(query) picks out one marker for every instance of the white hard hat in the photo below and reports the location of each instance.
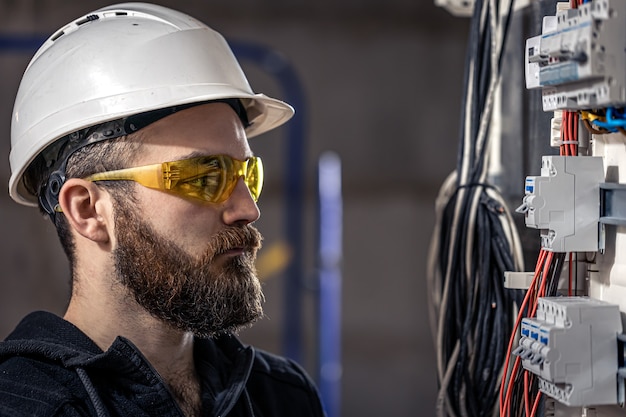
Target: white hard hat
(119, 61)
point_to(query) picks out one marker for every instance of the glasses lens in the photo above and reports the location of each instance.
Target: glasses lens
(213, 178)
(202, 178)
(254, 177)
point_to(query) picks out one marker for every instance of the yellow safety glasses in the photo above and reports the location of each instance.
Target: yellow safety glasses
(206, 178)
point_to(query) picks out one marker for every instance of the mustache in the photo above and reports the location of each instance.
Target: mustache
(245, 237)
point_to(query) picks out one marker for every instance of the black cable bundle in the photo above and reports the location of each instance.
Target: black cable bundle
(474, 242)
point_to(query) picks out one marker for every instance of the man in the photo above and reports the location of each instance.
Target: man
(130, 132)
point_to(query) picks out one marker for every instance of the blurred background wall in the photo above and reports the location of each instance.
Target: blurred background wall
(382, 83)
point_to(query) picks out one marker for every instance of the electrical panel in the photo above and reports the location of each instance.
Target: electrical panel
(571, 345)
(564, 202)
(579, 60)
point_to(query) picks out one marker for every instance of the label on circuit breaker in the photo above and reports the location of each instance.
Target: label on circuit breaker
(529, 187)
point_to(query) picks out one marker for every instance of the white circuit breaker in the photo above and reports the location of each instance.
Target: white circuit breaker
(564, 202)
(579, 58)
(571, 345)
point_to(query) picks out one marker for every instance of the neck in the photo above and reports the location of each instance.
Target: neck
(105, 315)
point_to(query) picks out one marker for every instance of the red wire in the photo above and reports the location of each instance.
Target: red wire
(544, 282)
(504, 410)
(505, 394)
(568, 135)
(536, 405)
(572, 133)
(576, 117)
(541, 271)
(566, 117)
(562, 135)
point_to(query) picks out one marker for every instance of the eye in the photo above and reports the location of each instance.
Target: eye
(209, 180)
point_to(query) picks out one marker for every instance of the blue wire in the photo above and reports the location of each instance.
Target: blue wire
(619, 113)
(604, 125)
(612, 121)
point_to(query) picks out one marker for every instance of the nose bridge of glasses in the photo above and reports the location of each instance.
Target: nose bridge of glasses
(241, 168)
(246, 170)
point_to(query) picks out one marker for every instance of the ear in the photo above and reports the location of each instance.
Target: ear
(86, 207)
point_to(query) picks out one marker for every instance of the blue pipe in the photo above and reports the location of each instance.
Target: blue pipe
(329, 306)
(21, 43)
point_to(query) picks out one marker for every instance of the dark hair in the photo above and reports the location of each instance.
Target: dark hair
(100, 156)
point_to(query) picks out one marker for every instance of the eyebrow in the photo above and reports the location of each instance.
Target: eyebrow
(198, 154)
(194, 154)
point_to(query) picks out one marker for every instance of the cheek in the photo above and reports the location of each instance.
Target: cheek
(190, 225)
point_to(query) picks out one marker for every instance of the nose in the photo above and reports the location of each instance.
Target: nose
(240, 208)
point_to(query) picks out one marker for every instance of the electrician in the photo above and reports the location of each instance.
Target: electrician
(130, 131)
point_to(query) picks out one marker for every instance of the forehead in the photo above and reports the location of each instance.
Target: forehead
(208, 129)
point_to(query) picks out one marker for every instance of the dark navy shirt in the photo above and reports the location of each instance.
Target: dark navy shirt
(48, 367)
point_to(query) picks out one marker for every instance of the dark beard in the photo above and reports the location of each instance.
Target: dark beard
(189, 294)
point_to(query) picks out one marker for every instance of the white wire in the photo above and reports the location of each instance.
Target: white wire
(433, 273)
(446, 291)
(469, 253)
(467, 126)
(443, 409)
(482, 138)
